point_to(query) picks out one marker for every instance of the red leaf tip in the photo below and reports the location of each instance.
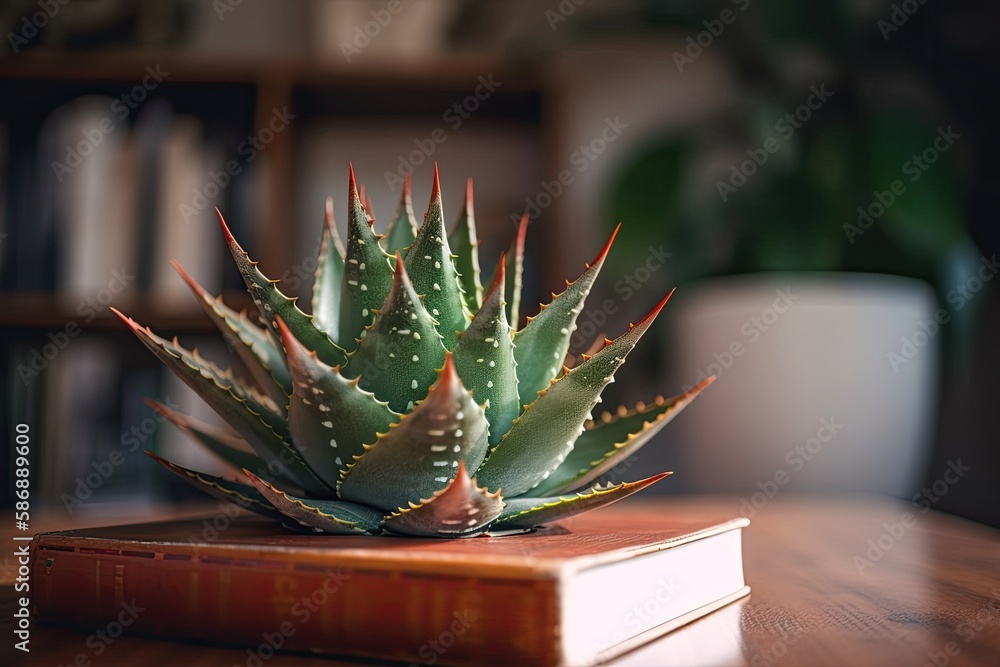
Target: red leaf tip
(400, 267)
(522, 228)
(436, 186)
(257, 481)
(607, 246)
(287, 339)
(195, 287)
(651, 315)
(501, 272)
(352, 185)
(448, 374)
(129, 322)
(225, 229)
(698, 388)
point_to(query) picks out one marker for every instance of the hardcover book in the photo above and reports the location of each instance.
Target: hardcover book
(577, 593)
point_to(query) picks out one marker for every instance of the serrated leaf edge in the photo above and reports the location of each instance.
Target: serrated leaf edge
(353, 525)
(194, 474)
(595, 490)
(234, 247)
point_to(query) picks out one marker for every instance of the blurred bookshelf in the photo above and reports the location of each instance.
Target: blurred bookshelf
(47, 310)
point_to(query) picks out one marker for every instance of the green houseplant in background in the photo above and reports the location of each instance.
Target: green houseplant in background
(836, 171)
(409, 386)
(824, 201)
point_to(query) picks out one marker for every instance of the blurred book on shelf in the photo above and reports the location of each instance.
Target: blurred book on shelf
(93, 180)
(181, 231)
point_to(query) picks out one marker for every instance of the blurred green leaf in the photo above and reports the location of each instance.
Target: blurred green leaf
(926, 219)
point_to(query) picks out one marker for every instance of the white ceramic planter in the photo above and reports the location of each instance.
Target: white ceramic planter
(809, 396)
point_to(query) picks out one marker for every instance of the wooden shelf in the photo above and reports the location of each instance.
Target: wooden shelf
(439, 72)
(39, 310)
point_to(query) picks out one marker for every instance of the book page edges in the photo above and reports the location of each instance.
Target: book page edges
(644, 638)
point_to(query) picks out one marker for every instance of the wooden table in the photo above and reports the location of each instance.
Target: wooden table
(836, 581)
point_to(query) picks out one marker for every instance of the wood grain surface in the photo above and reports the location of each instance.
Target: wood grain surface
(836, 581)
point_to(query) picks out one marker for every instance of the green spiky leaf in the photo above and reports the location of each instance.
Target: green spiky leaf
(329, 416)
(465, 244)
(609, 442)
(484, 358)
(337, 517)
(420, 455)
(244, 410)
(514, 270)
(545, 432)
(241, 495)
(461, 509)
(430, 267)
(329, 276)
(531, 512)
(543, 342)
(272, 303)
(225, 444)
(367, 275)
(398, 358)
(202, 375)
(251, 343)
(403, 228)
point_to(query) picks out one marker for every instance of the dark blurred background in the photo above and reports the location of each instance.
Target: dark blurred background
(816, 178)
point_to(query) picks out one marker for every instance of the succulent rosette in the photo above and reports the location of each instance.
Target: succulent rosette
(409, 402)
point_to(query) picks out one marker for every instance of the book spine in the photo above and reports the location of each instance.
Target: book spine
(263, 606)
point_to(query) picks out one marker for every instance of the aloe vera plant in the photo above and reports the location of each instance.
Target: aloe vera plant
(409, 402)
